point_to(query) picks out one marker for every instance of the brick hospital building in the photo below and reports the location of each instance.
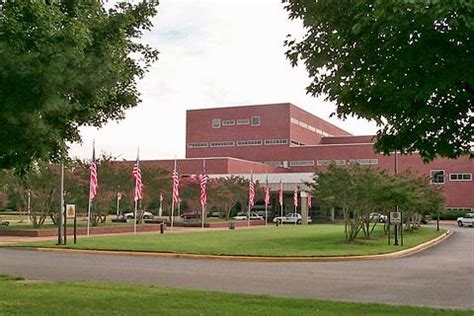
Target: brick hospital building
(286, 143)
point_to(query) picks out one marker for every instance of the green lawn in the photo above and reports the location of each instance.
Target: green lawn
(312, 240)
(20, 297)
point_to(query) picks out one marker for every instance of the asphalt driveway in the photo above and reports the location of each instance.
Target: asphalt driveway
(442, 276)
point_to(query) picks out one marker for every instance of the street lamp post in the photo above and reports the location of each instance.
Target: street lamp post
(29, 206)
(119, 197)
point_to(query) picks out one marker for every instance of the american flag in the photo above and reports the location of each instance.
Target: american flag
(175, 178)
(137, 176)
(280, 194)
(266, 190)
(202, 182)
(251, 192)
(93, 180)
(309, 199)
(295, 197)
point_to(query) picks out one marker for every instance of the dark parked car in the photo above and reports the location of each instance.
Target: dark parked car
(189, 215)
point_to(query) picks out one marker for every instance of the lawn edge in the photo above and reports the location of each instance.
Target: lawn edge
(392, 255)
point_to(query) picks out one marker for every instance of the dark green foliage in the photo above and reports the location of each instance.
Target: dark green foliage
(360, 191)
(408, 65)
(64, 65)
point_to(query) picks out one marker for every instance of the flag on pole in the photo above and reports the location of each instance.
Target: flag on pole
(93, 180)
(251, 191)
(202, 182)
(266, 190)
(295, 197)
(309, 199)
(137, 176)
(280, 194)
(175, 177)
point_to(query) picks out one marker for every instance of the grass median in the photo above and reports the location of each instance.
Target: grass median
(25, 297)
(312, 240)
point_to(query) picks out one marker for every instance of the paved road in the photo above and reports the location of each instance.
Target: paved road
(442, 276)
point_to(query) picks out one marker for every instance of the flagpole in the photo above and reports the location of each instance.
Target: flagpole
(172, 198)
(135, 218)
(136, 197)
(90, 200)
(88, 217)
(281, 201)
(248, 211)
(203, 206)
(295, 197)
(267, 193)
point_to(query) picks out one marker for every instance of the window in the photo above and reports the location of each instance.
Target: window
(364, 161)
(312, 128)
(437, 176)
(280, 141)
(294, 121)
(301, 163)
(339, 162)
(216, 123)
(459, 209)
(303, 124)
(296, 143)
(460, 177)
(274, 163)
(255, 120)
(249, 142)
(197, 145)
(223, 144)
(243, 122)
(228, 122)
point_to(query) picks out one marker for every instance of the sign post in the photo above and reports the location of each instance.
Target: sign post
(71, 213)
(395, 220)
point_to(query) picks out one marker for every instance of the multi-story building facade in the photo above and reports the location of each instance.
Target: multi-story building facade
(282, 139)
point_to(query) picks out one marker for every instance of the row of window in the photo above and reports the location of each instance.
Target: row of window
(296, 143)
(308, 127)
(217, 122)
(241, 143)
(438, 176)
(328, 162)
(306, 163)
(460, 209)
(249, 142)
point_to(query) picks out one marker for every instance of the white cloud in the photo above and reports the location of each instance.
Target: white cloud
(212, 53)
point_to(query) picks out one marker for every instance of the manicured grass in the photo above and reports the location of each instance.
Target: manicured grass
(312, 240)
(21, 297)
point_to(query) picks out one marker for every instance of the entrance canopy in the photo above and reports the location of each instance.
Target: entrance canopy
(288, 180)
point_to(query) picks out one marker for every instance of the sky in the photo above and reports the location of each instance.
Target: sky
(213, 53)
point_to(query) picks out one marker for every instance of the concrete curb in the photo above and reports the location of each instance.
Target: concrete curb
(393, 255)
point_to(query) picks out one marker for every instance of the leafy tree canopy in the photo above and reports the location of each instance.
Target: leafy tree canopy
(66, 64)
(408, 65)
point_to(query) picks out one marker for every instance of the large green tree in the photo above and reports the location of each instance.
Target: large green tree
(65, 64)
(408, 65)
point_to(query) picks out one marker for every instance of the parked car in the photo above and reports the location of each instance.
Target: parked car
(243, 216)
(291, 218)
(189, 215)
(377, 217)
(4, 223)
(466, 220)
(131, 215)
(119, 219)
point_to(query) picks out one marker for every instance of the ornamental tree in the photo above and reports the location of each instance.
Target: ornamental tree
(407, 65)
(66, 64)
